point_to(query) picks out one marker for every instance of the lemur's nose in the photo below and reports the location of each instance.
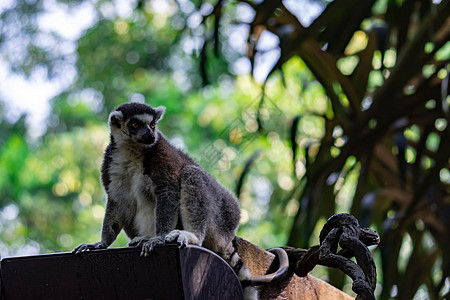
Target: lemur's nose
(148, 138)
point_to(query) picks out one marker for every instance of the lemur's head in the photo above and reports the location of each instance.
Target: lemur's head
(135, 123)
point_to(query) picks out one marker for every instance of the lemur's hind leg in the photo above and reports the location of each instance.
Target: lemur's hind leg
(199, 203)
(195, 208)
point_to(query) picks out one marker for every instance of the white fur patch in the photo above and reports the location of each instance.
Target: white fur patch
(145, 209)
(244, 273)
(145, 221)
(117, 114)
(250, 293)
(234, 259)
(160, 110)
(127, 185)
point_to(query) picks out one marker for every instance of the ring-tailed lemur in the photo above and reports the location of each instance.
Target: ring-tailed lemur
(158, 194)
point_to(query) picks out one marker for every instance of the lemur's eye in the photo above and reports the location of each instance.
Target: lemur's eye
(135, 125)
(152, 125)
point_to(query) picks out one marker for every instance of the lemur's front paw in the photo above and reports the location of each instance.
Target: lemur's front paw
(138, 241)
(146, 244)
(182, 237)
(86, 247)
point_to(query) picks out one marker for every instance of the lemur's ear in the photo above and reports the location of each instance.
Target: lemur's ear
(115, 119)
(159, 112)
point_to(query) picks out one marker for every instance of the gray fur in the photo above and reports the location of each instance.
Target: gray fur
(158, 194)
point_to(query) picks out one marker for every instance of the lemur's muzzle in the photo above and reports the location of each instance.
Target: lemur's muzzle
(147, 138)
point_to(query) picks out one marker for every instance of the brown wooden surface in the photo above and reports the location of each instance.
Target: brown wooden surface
(169, 273)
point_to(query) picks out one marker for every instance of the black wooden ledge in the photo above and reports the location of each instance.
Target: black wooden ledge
(169, 273)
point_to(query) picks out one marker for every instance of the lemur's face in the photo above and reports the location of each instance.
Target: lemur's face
(135, 123)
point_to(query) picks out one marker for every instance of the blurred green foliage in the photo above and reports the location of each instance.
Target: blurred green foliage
(352, 118)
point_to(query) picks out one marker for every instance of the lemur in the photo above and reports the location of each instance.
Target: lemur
(158, 194)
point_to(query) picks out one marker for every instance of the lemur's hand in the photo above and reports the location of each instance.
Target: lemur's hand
(146, 244)
(182, 238)
(86, 247)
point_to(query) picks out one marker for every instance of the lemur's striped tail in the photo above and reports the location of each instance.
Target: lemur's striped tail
(243, 273)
